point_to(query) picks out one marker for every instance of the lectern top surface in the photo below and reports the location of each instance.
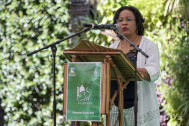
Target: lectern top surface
(87, 51)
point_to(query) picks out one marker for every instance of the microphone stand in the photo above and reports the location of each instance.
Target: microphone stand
(135, 97)
(137, 50)
(54, 49)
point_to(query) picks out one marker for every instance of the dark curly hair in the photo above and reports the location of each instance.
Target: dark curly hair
(137, 14)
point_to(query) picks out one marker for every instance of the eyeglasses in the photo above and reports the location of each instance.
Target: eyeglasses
(129, 19)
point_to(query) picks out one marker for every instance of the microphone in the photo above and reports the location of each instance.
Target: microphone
(104, 26)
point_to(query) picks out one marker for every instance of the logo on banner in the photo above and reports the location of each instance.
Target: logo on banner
(83, 95)
(95, 72)
(72, 71)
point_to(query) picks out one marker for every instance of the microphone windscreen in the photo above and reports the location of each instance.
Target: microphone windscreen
(117, 26)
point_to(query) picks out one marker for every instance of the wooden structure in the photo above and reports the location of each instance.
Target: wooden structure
(115, 65)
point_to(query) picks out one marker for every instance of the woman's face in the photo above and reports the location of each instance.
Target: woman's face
(127, 23)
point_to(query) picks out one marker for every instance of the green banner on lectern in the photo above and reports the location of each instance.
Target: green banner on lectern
(83, 91)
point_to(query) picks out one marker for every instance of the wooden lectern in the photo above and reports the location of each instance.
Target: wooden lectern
(115, 65)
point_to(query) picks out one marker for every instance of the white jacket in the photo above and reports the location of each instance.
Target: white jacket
(148, 108)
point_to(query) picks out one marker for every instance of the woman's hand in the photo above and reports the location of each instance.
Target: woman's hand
(144, 73)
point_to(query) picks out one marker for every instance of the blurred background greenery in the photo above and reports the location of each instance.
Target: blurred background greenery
(26, 88)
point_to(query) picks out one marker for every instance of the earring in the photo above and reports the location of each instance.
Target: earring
(137, 31)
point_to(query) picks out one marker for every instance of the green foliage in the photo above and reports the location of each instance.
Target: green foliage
(26, 81)
(178, 64)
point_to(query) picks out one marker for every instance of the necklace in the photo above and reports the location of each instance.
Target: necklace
(122, 46)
